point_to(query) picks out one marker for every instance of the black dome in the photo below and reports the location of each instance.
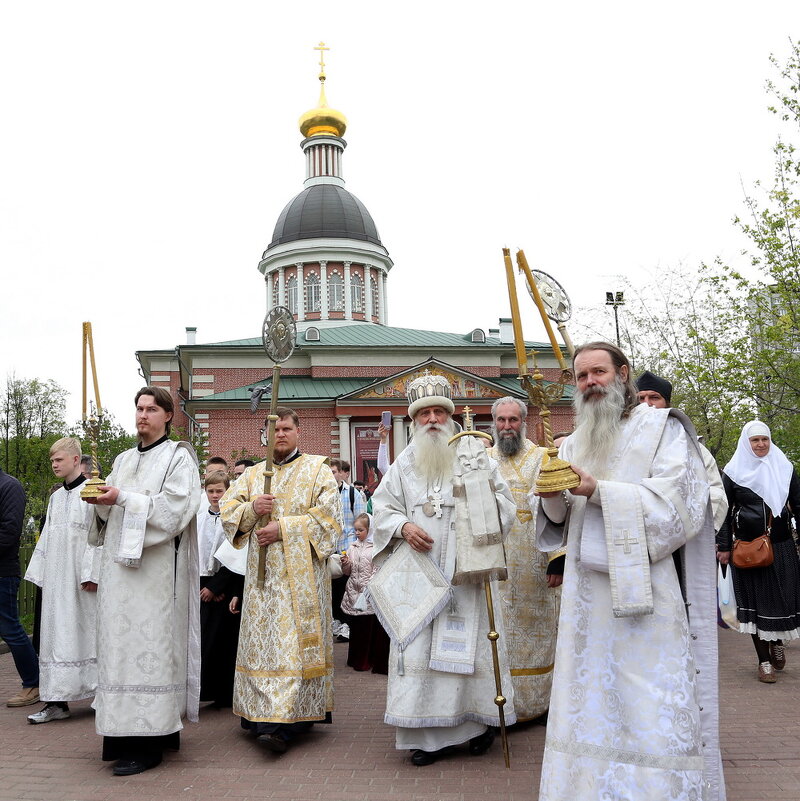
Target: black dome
(324, 210)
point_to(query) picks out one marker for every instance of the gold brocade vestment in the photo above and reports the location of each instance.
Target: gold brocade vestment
(284, 665)
(530, 607)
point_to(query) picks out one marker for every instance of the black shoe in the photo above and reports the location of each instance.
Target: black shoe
(482, 743)
(274, 742)
(421, 758)
(130, 767)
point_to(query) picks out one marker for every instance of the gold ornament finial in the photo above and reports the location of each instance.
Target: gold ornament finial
(322, 120)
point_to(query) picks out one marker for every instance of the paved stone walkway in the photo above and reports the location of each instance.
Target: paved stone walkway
(355, 760)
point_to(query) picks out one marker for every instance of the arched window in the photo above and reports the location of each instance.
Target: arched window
(373, 292)
(335, 292)
(291, 293)
(312, 293)
(356, 292)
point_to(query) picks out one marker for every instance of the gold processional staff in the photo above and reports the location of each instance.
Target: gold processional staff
(492, 635)
(556, 474)
(279, 334)
(94, 419)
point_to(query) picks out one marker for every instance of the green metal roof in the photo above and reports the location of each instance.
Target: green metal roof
(360, 336)
(304, 388)
(295, 388)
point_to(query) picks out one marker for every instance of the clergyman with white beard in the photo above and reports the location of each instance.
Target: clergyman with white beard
(441, 687)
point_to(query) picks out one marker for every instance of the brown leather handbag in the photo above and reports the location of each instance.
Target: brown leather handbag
(754, 553)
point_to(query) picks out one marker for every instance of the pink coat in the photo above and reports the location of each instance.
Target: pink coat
(361, 570)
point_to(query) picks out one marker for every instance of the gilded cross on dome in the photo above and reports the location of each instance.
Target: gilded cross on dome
(321, 47)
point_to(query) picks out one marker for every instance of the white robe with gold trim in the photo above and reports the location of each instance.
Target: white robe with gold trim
(284, 665)
(530, 607)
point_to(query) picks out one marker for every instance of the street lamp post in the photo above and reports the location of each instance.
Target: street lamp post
(615, 300)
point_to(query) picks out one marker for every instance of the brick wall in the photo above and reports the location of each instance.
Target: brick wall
(232, 430)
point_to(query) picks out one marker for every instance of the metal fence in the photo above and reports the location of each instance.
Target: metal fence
(27, 591)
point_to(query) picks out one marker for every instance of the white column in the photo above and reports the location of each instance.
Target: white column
(268, 279)
(398, 434)
(367, 293)
(282, 286)
(323, 288)
(383, 315)
(344, 437)
(301, 292)
(348, 306)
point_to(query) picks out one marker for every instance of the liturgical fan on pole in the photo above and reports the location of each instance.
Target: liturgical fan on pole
(279, 334)
(556, 474)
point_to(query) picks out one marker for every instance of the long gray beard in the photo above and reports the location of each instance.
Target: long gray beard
(598, 425)
(433, 456)
(509, 443)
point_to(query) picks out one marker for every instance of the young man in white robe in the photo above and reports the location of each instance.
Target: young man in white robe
(441, 688)
(66, 566)
(148, 603)
(634, 706)
(530, 595)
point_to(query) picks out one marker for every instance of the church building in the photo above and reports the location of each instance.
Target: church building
(327, 264)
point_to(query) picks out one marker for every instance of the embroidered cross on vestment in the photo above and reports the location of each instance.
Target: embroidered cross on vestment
(626, 541)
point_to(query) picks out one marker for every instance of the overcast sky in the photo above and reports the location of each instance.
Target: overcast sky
(148, 148)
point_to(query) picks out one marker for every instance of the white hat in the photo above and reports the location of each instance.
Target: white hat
(429, 390)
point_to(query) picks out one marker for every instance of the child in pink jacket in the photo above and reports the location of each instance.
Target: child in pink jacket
(369, 643)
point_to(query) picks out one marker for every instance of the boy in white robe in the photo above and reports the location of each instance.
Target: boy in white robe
(65, 566)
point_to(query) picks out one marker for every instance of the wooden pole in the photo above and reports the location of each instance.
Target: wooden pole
(516, 321)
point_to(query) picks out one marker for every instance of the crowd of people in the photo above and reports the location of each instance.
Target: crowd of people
(158, 595)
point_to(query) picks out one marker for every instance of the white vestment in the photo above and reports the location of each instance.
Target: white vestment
(210, 535)
(719, 500)
(148, 614)
(61, 562)
(434, 708)
(530, 607)
(634, 706)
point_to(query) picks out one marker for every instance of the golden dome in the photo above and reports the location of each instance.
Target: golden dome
(323, 119)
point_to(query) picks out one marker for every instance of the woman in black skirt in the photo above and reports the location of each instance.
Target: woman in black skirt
(764, 496)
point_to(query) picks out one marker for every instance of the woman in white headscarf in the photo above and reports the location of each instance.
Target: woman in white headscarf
(763, 492)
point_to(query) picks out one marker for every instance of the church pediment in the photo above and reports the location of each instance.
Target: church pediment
(464, 386)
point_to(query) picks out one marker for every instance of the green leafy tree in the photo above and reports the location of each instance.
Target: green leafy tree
(772, 302)
(112, 440)
(31, 420)
(684, 325)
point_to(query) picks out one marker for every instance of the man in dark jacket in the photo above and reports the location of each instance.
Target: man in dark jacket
(12, 511)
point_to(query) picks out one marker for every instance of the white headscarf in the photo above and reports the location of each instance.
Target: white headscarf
(371, 530)
(768, 476)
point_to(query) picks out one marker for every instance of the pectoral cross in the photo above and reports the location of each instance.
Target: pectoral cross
(625, 541)
(433, 506)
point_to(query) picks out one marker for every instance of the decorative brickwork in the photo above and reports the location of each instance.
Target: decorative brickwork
(234, 430)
